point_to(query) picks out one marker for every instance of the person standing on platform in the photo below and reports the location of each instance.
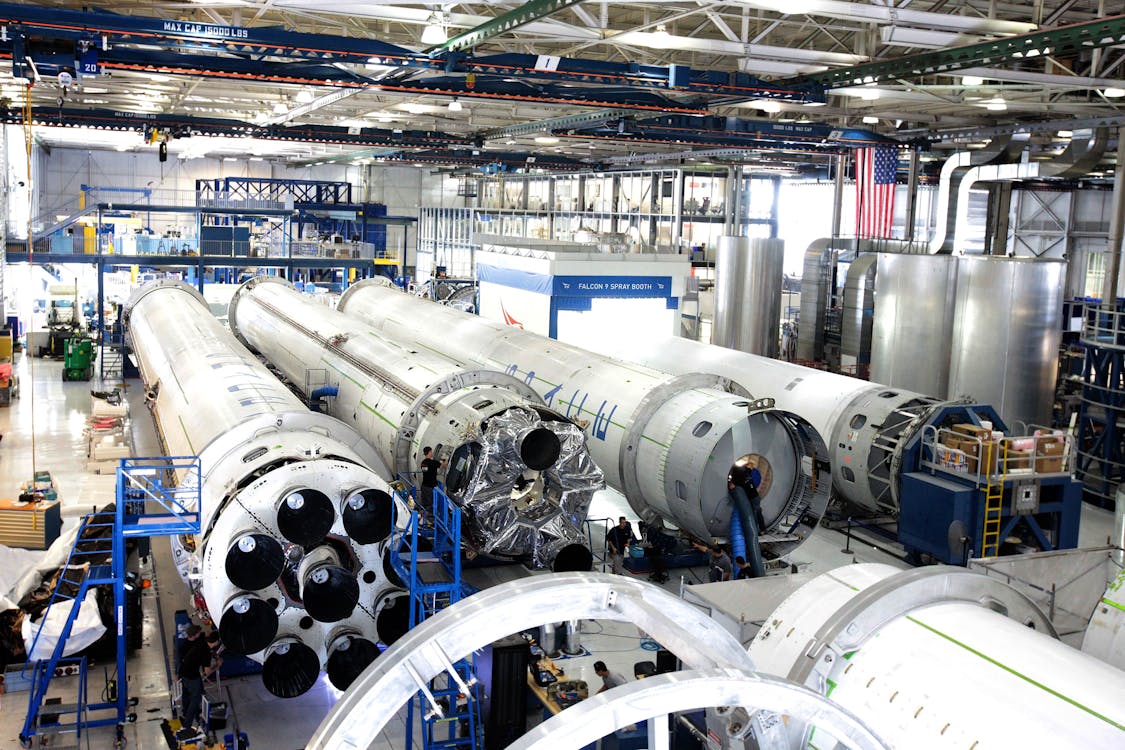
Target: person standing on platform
(194, 667)
(430, 467)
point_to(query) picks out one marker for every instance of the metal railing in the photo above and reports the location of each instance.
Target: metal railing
(1104, 327)
(959, 453)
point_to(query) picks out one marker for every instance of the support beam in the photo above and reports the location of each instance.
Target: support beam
(530, 11)
(1117, 227)
(1061, 42)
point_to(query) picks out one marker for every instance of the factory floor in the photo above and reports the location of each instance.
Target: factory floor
(60, 410)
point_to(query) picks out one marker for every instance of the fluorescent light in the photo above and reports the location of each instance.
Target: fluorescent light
(546, 139)
(303, 96)
(996, 105)
(455, 105)
(870, 120)
(971, 80)
(870, 95)
(434, 33)
(815, 104)
(1066, 134)
(158, 77)
(767, 105)
(386, 119)
(1113, 92)
(279, 108)
(414, 108)
(660, 38)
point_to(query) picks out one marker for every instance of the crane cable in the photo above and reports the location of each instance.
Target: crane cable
(29, 141)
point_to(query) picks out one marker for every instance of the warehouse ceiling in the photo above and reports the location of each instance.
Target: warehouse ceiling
(567, 82)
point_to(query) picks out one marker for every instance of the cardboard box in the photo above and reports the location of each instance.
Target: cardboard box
(1050, 446)
(972, 430)
(1018, 461)
(1049, 464)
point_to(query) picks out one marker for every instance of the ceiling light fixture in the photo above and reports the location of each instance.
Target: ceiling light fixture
(1066, 134)
(414, 108)
(870, 120)
(1113, 92)
(303, 96)
(455, 105)
(971, 80)
(996, 105)
(434, 33)
(279, 108)
(768, 105)
(870, 95)
(660, 38)
(546, 140)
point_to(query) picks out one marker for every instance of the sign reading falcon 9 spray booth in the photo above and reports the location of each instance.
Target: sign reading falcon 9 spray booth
(612, 286)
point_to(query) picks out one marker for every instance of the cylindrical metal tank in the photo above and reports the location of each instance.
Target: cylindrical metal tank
(1006, 335)
(930, 658)
(859, 305)
(666, 442)
(748, 280)
(519, 470)
(912, 338)
(277, 488)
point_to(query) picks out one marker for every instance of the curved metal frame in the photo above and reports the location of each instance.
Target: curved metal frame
(232, 319)
(875, 606)
(432, 647)
(691, 690)
(644, 412)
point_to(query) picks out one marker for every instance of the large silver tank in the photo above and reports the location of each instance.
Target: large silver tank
(859, 302)
(912, 339)
(748, 279)
(1006, 335)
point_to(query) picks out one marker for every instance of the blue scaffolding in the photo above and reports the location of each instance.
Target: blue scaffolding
(154, 497)
(449, 707)
(1101, 416)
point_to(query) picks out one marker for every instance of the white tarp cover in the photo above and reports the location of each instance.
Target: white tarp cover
(87, 629)
(22, 570)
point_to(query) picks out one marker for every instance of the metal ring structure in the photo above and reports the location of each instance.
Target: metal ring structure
(690, 690)
(644, 412)
(454, 633)
(875, 606)
(232, 306)
(450, 384)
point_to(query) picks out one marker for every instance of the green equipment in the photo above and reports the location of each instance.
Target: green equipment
(78, 359)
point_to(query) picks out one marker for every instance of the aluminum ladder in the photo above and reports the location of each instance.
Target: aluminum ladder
(154, 497)
(449, 705)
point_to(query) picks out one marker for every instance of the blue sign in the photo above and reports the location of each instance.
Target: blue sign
(612, 286)
(88, 63)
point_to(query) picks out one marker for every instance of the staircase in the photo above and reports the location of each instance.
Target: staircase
(110, 363)
(449, 705)
(152, 499)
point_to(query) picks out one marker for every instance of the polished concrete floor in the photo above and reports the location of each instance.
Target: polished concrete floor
(56, 413)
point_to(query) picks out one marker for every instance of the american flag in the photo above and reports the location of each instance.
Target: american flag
(875, 169)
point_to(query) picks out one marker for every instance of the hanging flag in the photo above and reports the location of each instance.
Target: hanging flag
(875, 170)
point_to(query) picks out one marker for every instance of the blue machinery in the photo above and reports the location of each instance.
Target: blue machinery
(955, 505)
(169, 488)
(434, 580)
